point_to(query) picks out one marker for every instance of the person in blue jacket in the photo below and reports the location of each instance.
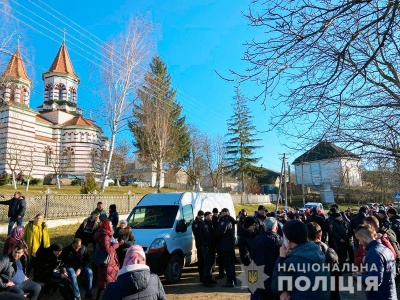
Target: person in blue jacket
(380, 265)
(300, 262)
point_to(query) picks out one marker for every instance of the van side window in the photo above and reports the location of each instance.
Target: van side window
(188, 214)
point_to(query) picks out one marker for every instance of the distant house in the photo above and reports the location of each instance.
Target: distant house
(143, 172)
(225, 183)
(176, 178)
(268, 181)
(327, 163)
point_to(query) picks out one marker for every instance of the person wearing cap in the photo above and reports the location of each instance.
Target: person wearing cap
(225, 234)
(299, 258)
(340, 238)
(76, 259)
(245, 237)
(99, 209)
(208, 245)
(264, 252)
(13, 277)
(54, 273)
(196, 232)
(123, 233)
(259, 218)
(354, 223)
(219, 260)
(135, 281)
(394, 218)
(383, 219)
(240, 218)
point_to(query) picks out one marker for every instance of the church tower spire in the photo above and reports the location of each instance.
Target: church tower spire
(60, 84)
(17, 85)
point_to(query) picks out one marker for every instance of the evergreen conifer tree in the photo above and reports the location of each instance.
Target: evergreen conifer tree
(241, 143)
(160, 132)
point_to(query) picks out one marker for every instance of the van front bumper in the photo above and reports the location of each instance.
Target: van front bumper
(158, 262)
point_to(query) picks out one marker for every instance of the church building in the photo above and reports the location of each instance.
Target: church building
(55, 138)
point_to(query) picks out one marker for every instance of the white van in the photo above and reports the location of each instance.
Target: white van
(162, 225)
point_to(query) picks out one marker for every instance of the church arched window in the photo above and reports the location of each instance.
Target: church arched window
(60, 88)
(48, 90)
(47, 158)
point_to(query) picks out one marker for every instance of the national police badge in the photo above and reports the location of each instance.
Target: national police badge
(252, 277)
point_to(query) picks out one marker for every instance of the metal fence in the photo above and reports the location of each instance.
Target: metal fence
(56, 206)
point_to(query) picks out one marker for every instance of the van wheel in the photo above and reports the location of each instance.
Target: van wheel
(173, 271)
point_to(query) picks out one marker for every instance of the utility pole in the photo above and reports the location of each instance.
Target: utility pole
(284, 180)
(290, 184)
(302, 181)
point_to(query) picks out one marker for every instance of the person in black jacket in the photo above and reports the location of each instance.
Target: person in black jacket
(245, 237)
(207, 241)
(259, 218)
(53, 272)
(265, 251)
(219, 260)
(340, 238)
(16, 210)
(225, 234)
(76, 260)
(314, 217)
(123, 233)
(196, 232)
(394, 219)
(354, 223)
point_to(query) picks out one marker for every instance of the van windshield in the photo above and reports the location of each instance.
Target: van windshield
(153, 216)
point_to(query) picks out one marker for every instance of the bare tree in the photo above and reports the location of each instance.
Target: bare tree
(195, 165)
(121, 74)
(215, 152)
(122, 159)
(328, 70)
(60, 159)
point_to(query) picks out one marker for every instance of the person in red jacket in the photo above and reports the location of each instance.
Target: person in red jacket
(106, 243)
(361, 252)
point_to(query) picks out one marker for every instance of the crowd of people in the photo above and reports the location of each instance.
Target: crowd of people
(117, 266)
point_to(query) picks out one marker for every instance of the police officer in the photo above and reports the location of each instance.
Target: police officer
(207, 240)
(220, 263)
(259, 218)
(225, 234)
(196, 232)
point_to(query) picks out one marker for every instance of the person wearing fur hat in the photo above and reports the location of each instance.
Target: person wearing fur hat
(245, 237)
(296, 255)
(135, 281)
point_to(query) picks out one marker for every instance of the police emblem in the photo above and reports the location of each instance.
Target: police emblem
(252, 277)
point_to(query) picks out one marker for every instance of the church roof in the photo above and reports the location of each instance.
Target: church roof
(43, 120)
(62, 63)
(16, 68)
(81, 121)
(323, 150)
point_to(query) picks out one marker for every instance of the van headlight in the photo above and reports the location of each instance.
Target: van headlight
(157, 246)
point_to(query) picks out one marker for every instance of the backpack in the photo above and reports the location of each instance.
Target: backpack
(395, 244)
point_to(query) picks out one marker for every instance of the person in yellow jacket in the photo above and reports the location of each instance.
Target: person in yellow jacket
(37, 238)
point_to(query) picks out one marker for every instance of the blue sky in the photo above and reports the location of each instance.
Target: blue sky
(194, 38)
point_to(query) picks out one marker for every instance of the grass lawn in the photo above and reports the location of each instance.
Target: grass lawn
(68, 189)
